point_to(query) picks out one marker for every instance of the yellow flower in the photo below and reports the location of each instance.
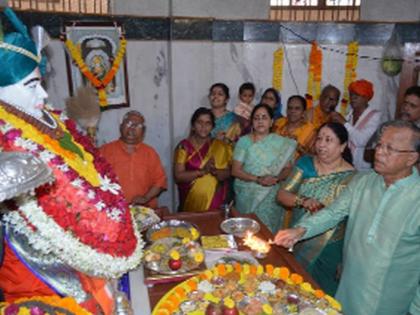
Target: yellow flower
(246, 269)
(305, 286)
(333, 302)
(24, 311)
(228, 302)
(267, 309)
(185, 240)
(174, 254)
(229, 268)
(276, 272)
(209, 274)
(194, 233)
(210, 297)
(199, 257)
(260, 270)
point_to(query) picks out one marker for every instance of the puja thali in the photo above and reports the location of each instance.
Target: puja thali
(171, 256)
(173, 228)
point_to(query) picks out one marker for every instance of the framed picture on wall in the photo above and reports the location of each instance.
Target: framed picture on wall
(101, 47)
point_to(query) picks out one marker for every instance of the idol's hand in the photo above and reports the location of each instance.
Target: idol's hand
(288, 238)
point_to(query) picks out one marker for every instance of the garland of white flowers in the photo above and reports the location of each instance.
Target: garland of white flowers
(49, 238)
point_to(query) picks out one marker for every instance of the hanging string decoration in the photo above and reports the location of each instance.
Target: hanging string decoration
(314, 75)
(99, 84)
(277, 81)
(350, 74)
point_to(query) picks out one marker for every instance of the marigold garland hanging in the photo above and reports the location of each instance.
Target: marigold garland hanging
(99, 84)
(350, 74)
(278, 69)
(314, 75)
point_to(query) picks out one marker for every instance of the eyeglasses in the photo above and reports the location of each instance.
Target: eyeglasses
(130, 124)
(387, 149)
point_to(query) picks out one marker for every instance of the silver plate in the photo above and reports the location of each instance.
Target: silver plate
(186, 251)
(172, 225)
(20, 173)
(239, 226)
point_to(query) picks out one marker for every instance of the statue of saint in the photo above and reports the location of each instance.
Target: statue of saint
(70, 237)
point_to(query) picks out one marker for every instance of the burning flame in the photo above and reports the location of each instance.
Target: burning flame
(256, 244)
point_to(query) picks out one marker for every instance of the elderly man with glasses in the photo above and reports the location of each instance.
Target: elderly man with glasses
(136, 164)
(381, 270)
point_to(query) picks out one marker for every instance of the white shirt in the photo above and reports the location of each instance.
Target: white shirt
(360, 133)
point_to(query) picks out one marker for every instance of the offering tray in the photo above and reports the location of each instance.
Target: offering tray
(245, 289)
(159, 256)
(174, 229)
(239, 226)
(144, 217)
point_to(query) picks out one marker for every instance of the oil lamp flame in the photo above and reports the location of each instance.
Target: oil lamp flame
(256, 244)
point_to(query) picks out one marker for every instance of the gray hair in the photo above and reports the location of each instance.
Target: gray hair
(132, 112)
(401, 124)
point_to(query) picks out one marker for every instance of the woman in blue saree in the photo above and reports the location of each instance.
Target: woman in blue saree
(258, 160)
(227, 127)
(315, 182)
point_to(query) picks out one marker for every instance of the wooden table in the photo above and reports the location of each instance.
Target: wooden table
(209, 224)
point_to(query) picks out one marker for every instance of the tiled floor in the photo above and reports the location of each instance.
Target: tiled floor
(138, 290)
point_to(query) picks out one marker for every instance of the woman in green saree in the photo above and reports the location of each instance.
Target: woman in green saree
(258, 160)
(314, 183)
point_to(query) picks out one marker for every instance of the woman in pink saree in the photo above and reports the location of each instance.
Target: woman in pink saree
(202, 166)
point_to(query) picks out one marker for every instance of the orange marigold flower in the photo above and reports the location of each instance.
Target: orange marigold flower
(221, 269)
(297, 279)
(253, 269)
(192, 284)
(319, 293)
(269, 269)
(284, 273)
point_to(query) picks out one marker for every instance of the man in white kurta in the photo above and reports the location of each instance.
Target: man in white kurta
(381, 270)
(361, 122)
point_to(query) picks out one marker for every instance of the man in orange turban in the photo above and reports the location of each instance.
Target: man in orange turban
(363, 88)
(361, 122)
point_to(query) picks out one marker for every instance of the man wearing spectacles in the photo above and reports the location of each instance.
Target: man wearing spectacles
(136, 164)
(381, 269)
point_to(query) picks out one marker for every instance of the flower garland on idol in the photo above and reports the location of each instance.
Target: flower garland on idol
(83, 217)
(314, 75)
(350, 74)
(278, 69)
(99, 84)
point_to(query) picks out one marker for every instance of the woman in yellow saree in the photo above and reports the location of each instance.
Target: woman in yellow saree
(202, 166)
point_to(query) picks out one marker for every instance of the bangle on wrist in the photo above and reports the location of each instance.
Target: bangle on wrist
(299, 201)
(257, 180)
